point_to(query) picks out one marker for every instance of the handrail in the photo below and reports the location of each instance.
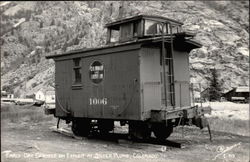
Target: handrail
(164, 66)
(172, 64)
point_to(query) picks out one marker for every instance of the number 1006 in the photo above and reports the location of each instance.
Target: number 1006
(98, 101)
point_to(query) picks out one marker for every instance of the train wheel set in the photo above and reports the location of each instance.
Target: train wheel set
(84, 129)
(137, 130)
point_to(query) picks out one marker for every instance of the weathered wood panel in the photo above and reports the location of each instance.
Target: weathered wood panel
(63, 83)
(115, 97)
(182, 79)
(150, 71)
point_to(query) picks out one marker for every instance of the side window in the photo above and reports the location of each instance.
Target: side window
(136, 26)
(153, 28)
(114, 36)
(150, 27)
(126, 32)
(174, 29)
(77, 78)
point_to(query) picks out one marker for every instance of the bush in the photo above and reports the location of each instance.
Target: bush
(52, 22)
(8, 88)
(5, 54)
(30, 96)
(28, 113)
(235, 126)
(31, 76)
(34, 85)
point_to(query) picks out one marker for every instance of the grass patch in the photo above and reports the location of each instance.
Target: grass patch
(235, 126)
(27, 113)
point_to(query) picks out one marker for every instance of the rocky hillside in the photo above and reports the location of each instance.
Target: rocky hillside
(31, 30)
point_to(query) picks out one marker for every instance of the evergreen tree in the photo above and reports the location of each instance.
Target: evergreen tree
(47, 44)
(12, 31)
(215, 86)
(64, 48)
(28, 15)
(41, 24)
(52, 22)
(76, 41)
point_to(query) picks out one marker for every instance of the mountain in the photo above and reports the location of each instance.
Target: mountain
(31, 30)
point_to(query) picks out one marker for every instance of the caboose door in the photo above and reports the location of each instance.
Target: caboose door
(150, 79)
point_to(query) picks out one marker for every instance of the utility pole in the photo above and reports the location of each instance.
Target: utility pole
(121, 10)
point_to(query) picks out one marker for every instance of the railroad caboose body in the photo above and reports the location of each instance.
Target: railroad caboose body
(126, 81)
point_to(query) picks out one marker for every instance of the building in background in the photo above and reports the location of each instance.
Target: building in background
(238, 94)
(7, 97)
(5, 94)
(39, 95)
(48, 96)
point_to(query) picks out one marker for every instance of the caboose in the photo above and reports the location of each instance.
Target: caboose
(140, 78)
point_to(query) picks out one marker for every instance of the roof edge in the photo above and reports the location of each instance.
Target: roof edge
(128, 19)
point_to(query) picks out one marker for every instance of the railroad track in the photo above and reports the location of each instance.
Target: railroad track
(122, 139)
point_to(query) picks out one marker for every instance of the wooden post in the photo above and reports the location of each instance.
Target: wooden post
(192, 88)
(121, 10)
(180, 94)
(200, 94)
(108, 36)
(111, 9)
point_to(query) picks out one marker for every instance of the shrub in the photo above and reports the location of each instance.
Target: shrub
(34, 85)
(31, 76)
(28, 113)
(5, 53)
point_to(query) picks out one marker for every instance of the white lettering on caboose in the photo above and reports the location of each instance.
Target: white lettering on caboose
(98, 101)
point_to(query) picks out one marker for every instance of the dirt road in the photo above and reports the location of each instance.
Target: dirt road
(26, 141)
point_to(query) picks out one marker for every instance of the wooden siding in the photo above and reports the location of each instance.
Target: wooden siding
(132, 83)
(63, 80)
(182, 79)
(120, 87)
(126, 32)
(150, 70)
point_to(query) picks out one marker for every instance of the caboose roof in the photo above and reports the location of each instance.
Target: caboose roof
(186, 45)
(117, 23)
(238, 90)
(242, 89)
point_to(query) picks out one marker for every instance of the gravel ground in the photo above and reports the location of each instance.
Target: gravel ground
(35, 142)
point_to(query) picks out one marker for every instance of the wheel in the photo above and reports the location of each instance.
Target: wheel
(162, 131)
(105, 126)
(139, 130)
(81, 127)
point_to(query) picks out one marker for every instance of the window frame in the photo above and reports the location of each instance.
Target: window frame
(166, 30)
(126, 32)
(137, 29)
(114, 36)
(77, 66)
(146, 28)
